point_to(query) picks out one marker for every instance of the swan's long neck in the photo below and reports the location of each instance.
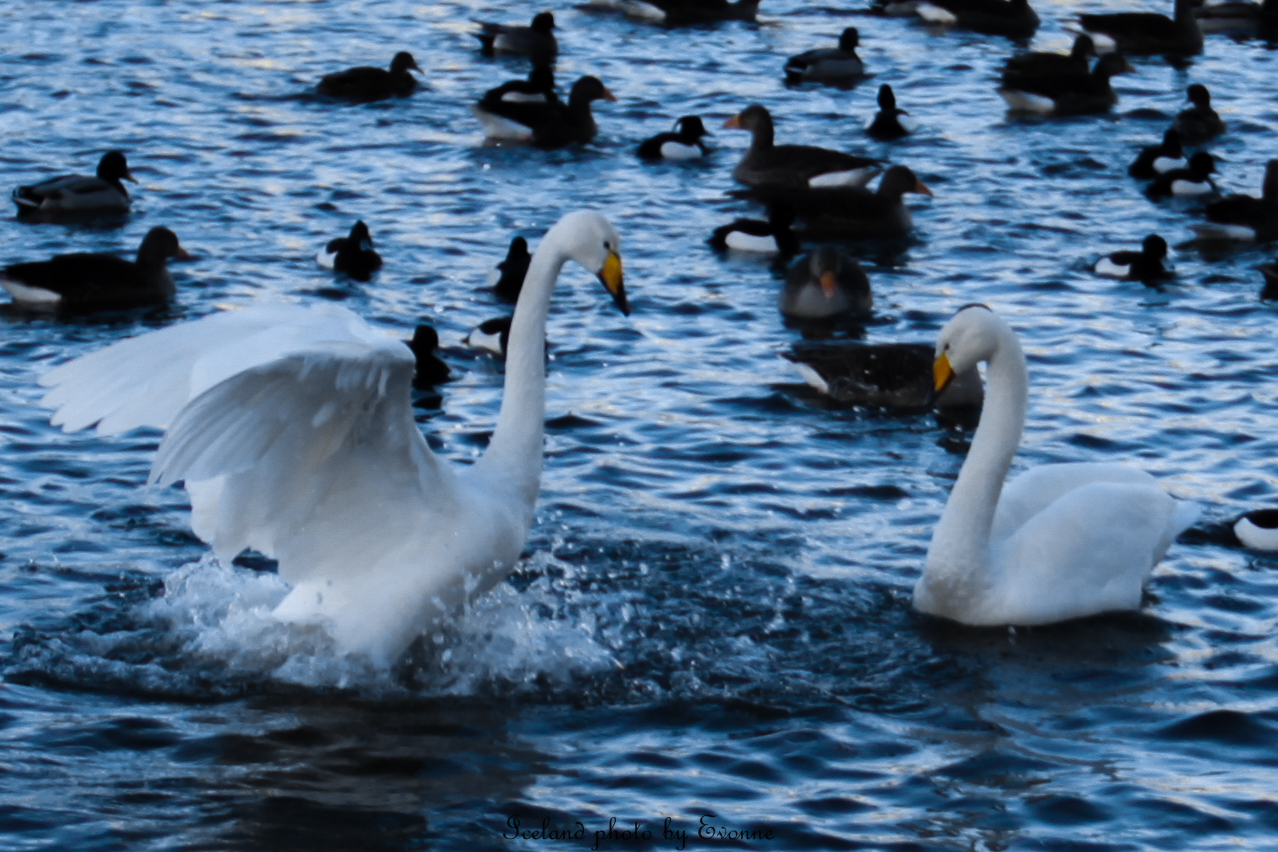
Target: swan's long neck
(515, 451)
(960, 548)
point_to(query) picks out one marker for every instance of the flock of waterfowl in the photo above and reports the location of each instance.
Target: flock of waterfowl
(291, 426)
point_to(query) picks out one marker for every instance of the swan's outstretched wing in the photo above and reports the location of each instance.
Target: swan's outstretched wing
(300, 440)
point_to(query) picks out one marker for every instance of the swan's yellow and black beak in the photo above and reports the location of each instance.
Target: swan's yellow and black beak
(942, 372)
(611, 277)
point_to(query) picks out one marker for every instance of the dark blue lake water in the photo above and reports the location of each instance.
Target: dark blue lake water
(714, 614)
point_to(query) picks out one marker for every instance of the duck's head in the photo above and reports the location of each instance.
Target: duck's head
(1202, 164)
(899, 180)
(753, 118)
(543, 22)
(1199, 96)
(887, 101)
(588, 238)
(518, 248)
(425, 340)
(402, 62)
(969, 338)
(849, 39)
(1084, 47)
(113, 167)
(1110, 64)
(361, 237)
(690, 127)
(161, 243)
(588, 89)
(1154, 247)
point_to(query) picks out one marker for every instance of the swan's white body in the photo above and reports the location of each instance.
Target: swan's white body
(1058, 542)
(293, 430)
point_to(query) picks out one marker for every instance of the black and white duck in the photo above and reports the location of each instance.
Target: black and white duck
(774, 236)
(490, 336)
(1147, 33)
(887, 123)
(539, 88)
(1029, 70)
(1145, 265)
(1192, 181)
(102, 193)
(76, 283)
(1012, 18)
(365, 83)
(683, 143)
(1243, 217)
(682, 12)
(1159, 159)
(508, 278)
(848, 212)
(1199, 122)
(828, 64)
(430, 370)
(824, 285)
(793, 166)
(353, 254)
(536, 41)
(1069, 95)
(545, 125)
(1258, 529)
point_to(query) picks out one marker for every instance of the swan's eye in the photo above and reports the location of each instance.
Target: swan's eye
(607, 245)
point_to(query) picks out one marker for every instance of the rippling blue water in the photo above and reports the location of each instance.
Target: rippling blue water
(714, 614)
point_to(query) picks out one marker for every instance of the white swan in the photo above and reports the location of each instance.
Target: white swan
(1060, 541)
(293, 430)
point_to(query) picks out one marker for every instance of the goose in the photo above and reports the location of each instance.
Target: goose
(1064, 95)
(490, 336)
(428, 369)
(536, 41)
(754, 235)
(508, 278)
(1145, 265)
(545, 125)
(1058, 542)
(1258, 529)
(889, 376)
(1238, 17)
(539, 88)
(886, 124)
(1269, 292)
(75, 283)
(1199, 122)
(1193, 180)
(828, 64)
(365, 83)
(1030, 68)
(823, 285)
(353, 254)
(1012, 18)
(1147, 33)
(1242, 217)
(79, 194)
(766, 164)
(683, 143)
(853, 212)
(293, 431)
(1159, 159)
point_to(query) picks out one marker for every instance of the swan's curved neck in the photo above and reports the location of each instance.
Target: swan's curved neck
(961, 542)
(515, 450)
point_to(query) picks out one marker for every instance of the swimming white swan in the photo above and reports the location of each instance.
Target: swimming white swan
(1060, 541)
(293, 430)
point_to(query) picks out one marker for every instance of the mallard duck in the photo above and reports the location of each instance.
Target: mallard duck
(102, 193)
(364, 84)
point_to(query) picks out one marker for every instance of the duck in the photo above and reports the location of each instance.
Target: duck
(1243, 217)
(1145, 265)
(1193, 180)
(85, 282)
(545, 125)
(683, 143)
(1147, 33)
(683, 12)
(490, 336)
(847, 212)
(1238, 17)
(823, 285)
(1160, 159)
(893, 377)
(1258, 529)
(886, 124)
(102, 193)
(1011, 18)
(1269, 292)
(774, 236)
(539, 88)
(827, 64)
(353, 254)
(1199, 122)
(508, 278)
(1062, 95)
(1030, 68)
(365, 83)
(536, 41)
(428, 369)
(379, 539)
(1057, 542)
(793, 166)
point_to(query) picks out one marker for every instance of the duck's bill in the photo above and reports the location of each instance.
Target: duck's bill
(921, 188)
(942, 372)
(129, 177)
(734, 122)
(610, 276)
(608, 96)
(828, 284)
(183, 254)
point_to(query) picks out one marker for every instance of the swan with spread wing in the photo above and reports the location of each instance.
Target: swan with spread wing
(292, 428)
